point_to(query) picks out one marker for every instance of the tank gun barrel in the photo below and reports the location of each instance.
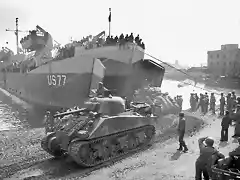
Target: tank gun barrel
(70, 112)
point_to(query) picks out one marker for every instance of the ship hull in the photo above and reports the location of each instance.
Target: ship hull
(58, 84)
(67, 83)
(36, 89)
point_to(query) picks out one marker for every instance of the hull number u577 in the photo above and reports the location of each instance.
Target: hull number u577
(56, 80)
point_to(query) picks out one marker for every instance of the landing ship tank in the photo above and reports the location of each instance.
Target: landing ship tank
(102, 131)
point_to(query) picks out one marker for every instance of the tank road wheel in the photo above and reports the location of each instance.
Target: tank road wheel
(98, 151)
(116, 147)
(84, 151)
(107, 149)
(86, 154)
(149, 133)
(141, 137)
(132, 143)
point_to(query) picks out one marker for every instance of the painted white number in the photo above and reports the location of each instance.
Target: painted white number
(56, 80)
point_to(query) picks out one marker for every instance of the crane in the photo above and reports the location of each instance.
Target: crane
(16, 31)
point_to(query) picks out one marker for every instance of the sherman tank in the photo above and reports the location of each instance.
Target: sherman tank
(101, 131)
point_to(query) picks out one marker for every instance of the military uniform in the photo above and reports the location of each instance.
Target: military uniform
(234, 99)
(229, 103)
(226, 121)
(236, 151)
(181, 132)
(222, 104)
(48, 123)
(206, 157)
(193, 102)
(212, 103)
(206, 103)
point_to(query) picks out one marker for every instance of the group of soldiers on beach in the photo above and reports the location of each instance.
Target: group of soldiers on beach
(230, 113)
(206, 103)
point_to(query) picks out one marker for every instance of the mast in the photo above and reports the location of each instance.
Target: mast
(16, 31)
(109, 21)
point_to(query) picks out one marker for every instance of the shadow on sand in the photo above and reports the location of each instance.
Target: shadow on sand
(223, 143)
(176, 156)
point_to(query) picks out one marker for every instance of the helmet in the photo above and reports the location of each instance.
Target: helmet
(227, 112)
(221, 94)
(181, 114)
(209, 141)
(233, 92)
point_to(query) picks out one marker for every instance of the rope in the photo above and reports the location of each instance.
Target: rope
(181, 72)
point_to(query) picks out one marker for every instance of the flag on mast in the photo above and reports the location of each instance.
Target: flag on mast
(110, 15)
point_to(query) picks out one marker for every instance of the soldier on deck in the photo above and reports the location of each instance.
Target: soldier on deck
(212, 103)
(181, 132)
(222, 104)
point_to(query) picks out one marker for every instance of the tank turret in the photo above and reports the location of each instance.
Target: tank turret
(101, 131)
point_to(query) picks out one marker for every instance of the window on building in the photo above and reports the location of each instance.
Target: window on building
(230, 63)
(217, 55)
(210, 56)
(224, 56)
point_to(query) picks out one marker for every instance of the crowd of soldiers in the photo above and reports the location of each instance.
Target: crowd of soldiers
(121, 40)
(69, 51)
(206, 103)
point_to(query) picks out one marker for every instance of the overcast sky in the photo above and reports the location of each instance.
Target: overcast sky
(172, 30)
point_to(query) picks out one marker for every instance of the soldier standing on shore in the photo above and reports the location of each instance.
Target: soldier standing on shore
(181, 132)
(48, 122)
(222, 104)
(226, 121)
(229, 103)
(206, 103)
(212, 103)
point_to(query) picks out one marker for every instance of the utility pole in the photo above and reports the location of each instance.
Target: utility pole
(16, 31)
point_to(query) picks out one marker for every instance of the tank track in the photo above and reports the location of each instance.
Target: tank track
(93, 152)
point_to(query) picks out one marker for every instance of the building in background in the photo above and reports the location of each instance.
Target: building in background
(224, 62)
